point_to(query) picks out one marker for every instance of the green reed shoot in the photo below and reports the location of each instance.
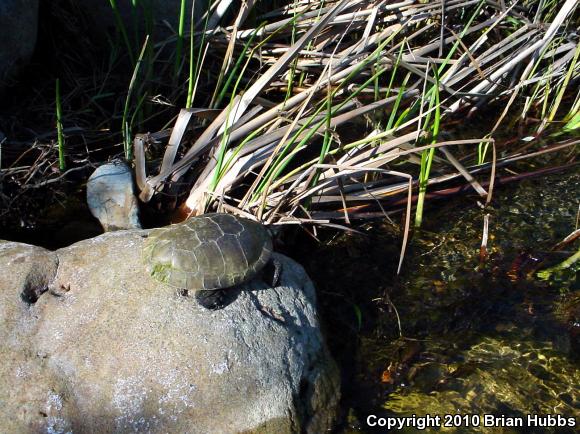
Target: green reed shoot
(126, 126)
(482, 149)
(179, 44)
(245, 55)
(59, 129)
(564, 84)
(292, 71)
(427, 155)
(221, 153)
(122, 30)
(327, 141)
(195, 65)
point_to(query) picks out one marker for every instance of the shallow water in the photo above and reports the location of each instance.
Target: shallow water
(476, 337)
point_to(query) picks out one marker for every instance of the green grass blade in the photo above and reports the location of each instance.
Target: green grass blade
(122, 29)
(564, 85)
(427, 155)
(179, 44)
(234, 72)
(195, 66)
(126, 127)
(59, 129)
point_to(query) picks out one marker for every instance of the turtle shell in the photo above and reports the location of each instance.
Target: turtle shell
(211, 251)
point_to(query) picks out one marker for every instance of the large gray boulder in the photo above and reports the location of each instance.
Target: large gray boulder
(108, 349)
(18, 28)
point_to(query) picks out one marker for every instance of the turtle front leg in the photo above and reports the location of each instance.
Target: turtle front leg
(272, 272)
(277, 271)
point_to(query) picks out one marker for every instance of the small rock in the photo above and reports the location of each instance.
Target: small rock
(111, 198)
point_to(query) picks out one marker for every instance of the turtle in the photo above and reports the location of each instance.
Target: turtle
(210, 254)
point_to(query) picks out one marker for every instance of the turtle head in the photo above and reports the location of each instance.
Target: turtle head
(274, 230)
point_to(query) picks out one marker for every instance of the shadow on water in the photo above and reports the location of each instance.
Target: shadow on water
(475, 338)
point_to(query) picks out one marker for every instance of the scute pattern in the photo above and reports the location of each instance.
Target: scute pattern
(212, 251)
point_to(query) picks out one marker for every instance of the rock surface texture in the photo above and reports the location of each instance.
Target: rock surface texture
(108, 349)
(18, 27)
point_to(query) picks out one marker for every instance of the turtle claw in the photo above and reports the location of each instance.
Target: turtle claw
(277, 272)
